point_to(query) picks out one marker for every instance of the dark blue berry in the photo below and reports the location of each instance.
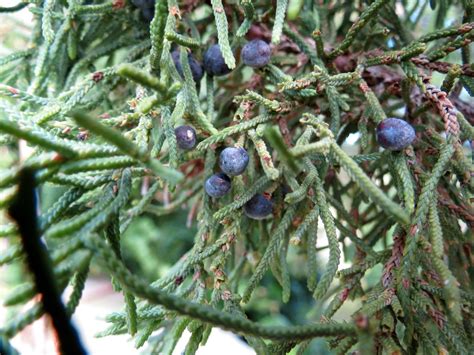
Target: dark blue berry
(217, 185)
(395, 134)
(214, 63)
(256, 53)
(196, 67)
(258, 207)
(233, 161)
(185, 137)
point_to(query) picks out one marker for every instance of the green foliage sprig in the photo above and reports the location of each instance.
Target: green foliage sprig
(96, 96)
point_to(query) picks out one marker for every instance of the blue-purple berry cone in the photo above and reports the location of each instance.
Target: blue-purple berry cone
(233, 161)
(259, 207)
(395, 134)
(185, 137)
(256, 53)
(214, 63)
(196, 67)
(217, 185)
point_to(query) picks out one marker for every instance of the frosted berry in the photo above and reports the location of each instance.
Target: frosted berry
(233, 161)
(217, 185)
(395, 134)
(256, 53)
(185, 137)
(259, 207)
(214, 63)
(196, 67)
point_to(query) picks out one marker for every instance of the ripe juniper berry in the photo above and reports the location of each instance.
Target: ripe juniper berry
(217, 185)
(196, 67)
(233, 161)
(395, 134)
(185, 137)
(258, 207)
(214, 63)
(256, 53)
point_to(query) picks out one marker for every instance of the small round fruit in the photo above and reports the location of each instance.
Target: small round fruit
(259, 207)
(217, 185)
(214, 63)
(196, 67)
(395, 134)
(233, 161)
(256, 53)
(185, 137)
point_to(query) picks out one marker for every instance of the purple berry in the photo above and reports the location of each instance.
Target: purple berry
(214, 63)
(256, 53)
(259, 207)
(185, 137)
(217, 185)
(395, 134)
(196, 67)
(233, 161)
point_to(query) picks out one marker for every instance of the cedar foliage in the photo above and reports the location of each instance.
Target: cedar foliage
(96, 95)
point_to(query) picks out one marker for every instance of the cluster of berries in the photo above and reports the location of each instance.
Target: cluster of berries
(392, 133)
(233, 161)
(255, 54)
